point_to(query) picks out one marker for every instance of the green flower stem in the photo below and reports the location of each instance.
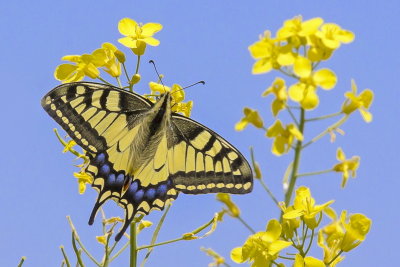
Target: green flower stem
(183, 237)
(335, 257)
(311, 240)
(119, 82)
(126, 72)
(120, 251)
(155, 234)
(253, 161)
(296, 162)
(80, 243)
(286, 258)
(245, 224)
(104, 81)
(65, 257)
(161, 243)
(313, 173)
(226, 264)
(62, 141)
(21, 261)
(292, 115)
(76, 250)
(137, 64)
(327, 130)
(288, 74)
(324, 117)
(269, 191)
(133, 246)
(304, 236)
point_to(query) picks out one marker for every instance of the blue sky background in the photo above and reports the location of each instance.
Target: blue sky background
(201, 40)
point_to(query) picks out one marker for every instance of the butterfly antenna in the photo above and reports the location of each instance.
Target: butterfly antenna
(159, 76)
(202, 82)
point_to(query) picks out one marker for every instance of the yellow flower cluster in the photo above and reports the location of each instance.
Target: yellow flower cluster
(341, 235)
(297, 51)
(107, 57)
(177, 95)
(282, 52)
(263, 247)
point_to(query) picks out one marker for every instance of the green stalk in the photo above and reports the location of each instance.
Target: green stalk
(133, 248)
(314, 173)
(246, 224)
(296, 161)
(21, 261)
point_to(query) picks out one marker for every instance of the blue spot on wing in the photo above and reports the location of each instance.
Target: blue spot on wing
(162, 191)
(104, 170)
(138, 195)
(100, 159)
(150, 194)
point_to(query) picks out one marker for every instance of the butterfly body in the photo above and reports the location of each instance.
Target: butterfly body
(141, 154)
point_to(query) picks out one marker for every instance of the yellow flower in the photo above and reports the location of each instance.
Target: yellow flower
(84, 65)
(289, 223)
(283, 137)
(225, 198)
(362, 102)
(137, 36)
(330, 237)
(318, 51)
(113, 220)
(143, 224)
(296, 30)
(278, 88)
(83, 179)
(357, 227)
(262, 247)
(102, 239)
(269, 54)
(304, 205)
(342, 235)
(218, 259)
(332, 35)
(307, 262)
(250, 116)
(304, 91)
(69, 146)
(177, 95)
(107, 55)
(346, 166)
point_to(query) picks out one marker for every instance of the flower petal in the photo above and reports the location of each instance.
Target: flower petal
(310, 26)
(63, 71)
(296, 91)
(262, 66)
(236, 255)
(149, 29)
(127, 26)
(128, 42)
(325, 78)
(311, 99)
(151, 41)
(302, 67)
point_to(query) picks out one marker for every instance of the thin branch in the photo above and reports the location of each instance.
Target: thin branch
(313, 173)
(65, 257)
(245, 224)
(327, 130)
(325, 117)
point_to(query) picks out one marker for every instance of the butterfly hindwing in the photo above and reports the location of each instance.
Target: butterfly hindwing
(210, 164)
